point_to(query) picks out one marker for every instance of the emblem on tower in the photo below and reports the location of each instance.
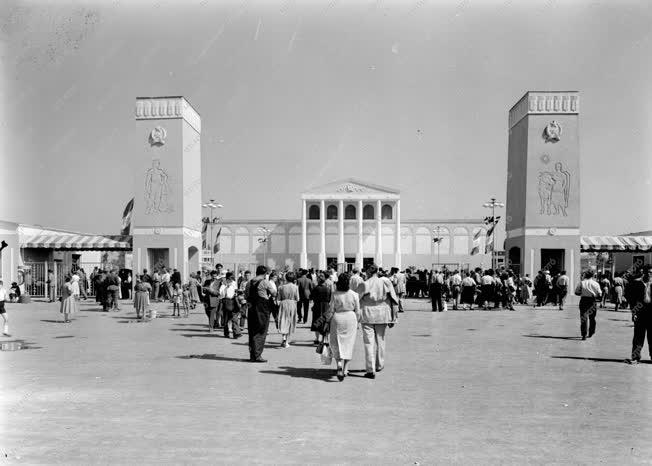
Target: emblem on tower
(552, 133)
(157, 136)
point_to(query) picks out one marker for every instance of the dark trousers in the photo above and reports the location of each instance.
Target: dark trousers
(234, 318)
(588, 310)
(302, 310)
(437, 301)
(258, 322)
(563, 292)
(215, 317)
(642, 325)
(542, 297)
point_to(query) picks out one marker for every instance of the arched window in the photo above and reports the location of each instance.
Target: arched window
(349, 212)
(313, 212)
(387, 212)
(368, 212)
(331, 212)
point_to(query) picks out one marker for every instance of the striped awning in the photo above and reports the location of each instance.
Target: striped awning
(615, 243)
(79, 242)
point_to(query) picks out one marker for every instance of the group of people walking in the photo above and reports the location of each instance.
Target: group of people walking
(368, 301)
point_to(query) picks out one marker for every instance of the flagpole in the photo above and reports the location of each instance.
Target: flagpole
(211, 205)
(493, 204)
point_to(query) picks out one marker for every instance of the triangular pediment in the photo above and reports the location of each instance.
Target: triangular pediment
(350, 186)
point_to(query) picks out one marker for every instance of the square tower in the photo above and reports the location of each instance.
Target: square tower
(166, 223)
(543, 184)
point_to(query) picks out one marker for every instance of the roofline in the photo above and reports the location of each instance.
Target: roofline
(539, 92)
(403, 222)
(354, 180)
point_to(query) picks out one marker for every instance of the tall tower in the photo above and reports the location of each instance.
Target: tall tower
(543, 184)
(166, 224)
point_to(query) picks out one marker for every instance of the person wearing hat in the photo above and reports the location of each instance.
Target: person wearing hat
(211, 293)
(589, 292)
(641, 295)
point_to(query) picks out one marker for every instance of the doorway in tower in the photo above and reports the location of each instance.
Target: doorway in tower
(552, 260)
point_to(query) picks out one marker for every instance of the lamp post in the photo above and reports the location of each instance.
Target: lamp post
(211, 221)
(492, 204)
(265, 232)
(437, 239)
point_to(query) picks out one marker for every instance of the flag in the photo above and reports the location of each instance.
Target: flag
(126, 218)
(477, 235)
(490, 231)
(487, 220)
(436, 240)
(203, 234)
(216, 246)
(475, 250)
(488, 248)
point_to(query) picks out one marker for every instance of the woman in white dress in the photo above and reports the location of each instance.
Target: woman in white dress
(288, 296)
(68, 303)
(345, 311)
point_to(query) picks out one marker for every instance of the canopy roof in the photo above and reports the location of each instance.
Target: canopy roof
(615, 243)
(79, 242)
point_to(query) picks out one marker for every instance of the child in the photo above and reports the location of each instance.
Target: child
(3, 313)
(176, 300)
(186, 300)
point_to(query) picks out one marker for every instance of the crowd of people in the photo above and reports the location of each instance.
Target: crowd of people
(340, 305)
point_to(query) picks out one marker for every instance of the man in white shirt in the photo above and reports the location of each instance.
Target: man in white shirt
(455, 284)
(3, 297)
(230, 308)
(356, 281)
(165, 284)
(562, 288)
(589, 291)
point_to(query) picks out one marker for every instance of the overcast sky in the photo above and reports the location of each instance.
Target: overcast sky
(412, 94)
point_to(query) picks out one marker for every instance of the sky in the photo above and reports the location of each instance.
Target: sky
(413, 95)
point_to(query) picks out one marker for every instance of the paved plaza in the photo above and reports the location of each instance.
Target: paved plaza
(477, 387)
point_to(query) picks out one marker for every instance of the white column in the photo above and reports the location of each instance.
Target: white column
(531, 264)
(571, 275)
(359, 256)
(303, 260)
(322, 247)
(379, 235)
(340, 213)
(175, 259)
(397, 245)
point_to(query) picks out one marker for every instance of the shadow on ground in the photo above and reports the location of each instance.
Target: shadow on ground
(553, 337)
(620, 361)
(327, 375)
(212, 357)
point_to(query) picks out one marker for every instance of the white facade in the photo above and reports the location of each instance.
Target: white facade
(350, 222)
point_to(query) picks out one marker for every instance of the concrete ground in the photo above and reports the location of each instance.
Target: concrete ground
(458, 388)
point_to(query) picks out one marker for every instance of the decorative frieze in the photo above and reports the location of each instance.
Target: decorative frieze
(542, 103)
(156, 108)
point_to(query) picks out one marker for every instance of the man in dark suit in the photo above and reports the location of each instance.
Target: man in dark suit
(641, 295)
(305, 289)
(210, 293)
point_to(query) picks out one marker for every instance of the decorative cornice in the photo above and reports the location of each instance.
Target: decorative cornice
(554, 231)
(157, 108)
(544, 103)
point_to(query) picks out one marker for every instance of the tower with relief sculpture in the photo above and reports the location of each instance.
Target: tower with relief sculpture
(543, 184)
(166, 224)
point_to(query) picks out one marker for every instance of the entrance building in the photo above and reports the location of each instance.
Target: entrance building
(543, 189)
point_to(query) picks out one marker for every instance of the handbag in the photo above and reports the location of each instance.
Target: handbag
(326, 355)
(228, 304)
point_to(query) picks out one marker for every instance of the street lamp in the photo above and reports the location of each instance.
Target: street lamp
(265, 232)
(492, 204)
(211, 221)
(437, 239)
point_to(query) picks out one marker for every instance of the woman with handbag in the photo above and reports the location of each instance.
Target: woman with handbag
(343, 315)
(321, 297)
